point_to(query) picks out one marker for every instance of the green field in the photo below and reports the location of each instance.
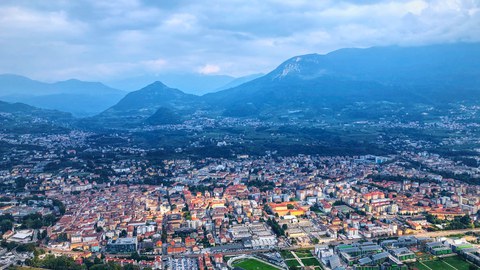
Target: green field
(253, 264)
(311, 262)
(286, 254)
(449, 263)
(457, 262)
(292, 262)
(303, 253)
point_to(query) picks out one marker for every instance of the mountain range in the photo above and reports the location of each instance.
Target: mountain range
(83, 98)
(428, 74)
(74, 96)
(315, 84)
(357, 82)
(192, 83)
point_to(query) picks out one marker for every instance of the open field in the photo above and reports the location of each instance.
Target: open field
(449, 263)
(286, 254)
(303, 253)
(295, 258)
(457, 262)
(311, 262)
(292, 262)
(253, 264)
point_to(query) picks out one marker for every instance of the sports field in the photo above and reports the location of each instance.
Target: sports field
(253, 264)
(303, 253)
(300, 258)
(449, 263)
(292, 262)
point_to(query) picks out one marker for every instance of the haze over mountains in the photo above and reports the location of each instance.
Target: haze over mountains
(77, 97)
(83, 98)
(197, 84)
(306, 86)
(314, 84)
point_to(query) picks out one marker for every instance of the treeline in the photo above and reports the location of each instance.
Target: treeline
(67, 263)
(262, 185)
(31, 221)
(276, 228)
(458, 223)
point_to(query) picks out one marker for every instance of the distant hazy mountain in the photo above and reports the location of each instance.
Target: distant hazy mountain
(151, 102)
(164, 116)
(428, 74)
(24, 109)
(189, 83)
(22, 118)
(77, 97)
(238, 81)
(150, 98)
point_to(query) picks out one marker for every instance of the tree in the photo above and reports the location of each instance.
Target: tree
(466, 220)
(58, 263)
(315, 208)
(338, 203)
(135, 256)
(5, 225)
(275, 227)
(60, 205)
(131, 267)
(42, 235)
(63, 237)
(107, 266)
(20, 183)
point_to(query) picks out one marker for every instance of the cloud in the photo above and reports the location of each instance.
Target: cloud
(209, 69)
(155, 65)
(101, 40)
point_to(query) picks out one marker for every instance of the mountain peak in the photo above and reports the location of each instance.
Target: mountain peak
(151, 97)
(158, 84)
(304, 66)
(159, 87)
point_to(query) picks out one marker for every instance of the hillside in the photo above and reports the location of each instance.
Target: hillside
(77, 97)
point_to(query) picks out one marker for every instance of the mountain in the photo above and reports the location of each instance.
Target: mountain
(241, 80)
(360, 83)
(197, 84)
(77, 97)
(147, 105)
(11, 84)
(164, 116)
(148, 99)
(21, 109)
(311, 83)
(22, 118)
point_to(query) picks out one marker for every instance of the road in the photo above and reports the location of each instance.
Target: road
(422, 234)
(333, 242)
(446, 233)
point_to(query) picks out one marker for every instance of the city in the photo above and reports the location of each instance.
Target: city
(240, 135)
(296, 211)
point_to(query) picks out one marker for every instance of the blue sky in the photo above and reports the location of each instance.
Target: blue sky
(107, 40)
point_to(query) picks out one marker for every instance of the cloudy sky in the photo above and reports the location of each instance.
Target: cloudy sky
(107, 40)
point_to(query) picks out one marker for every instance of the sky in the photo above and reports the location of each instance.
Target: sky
(104, 40)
